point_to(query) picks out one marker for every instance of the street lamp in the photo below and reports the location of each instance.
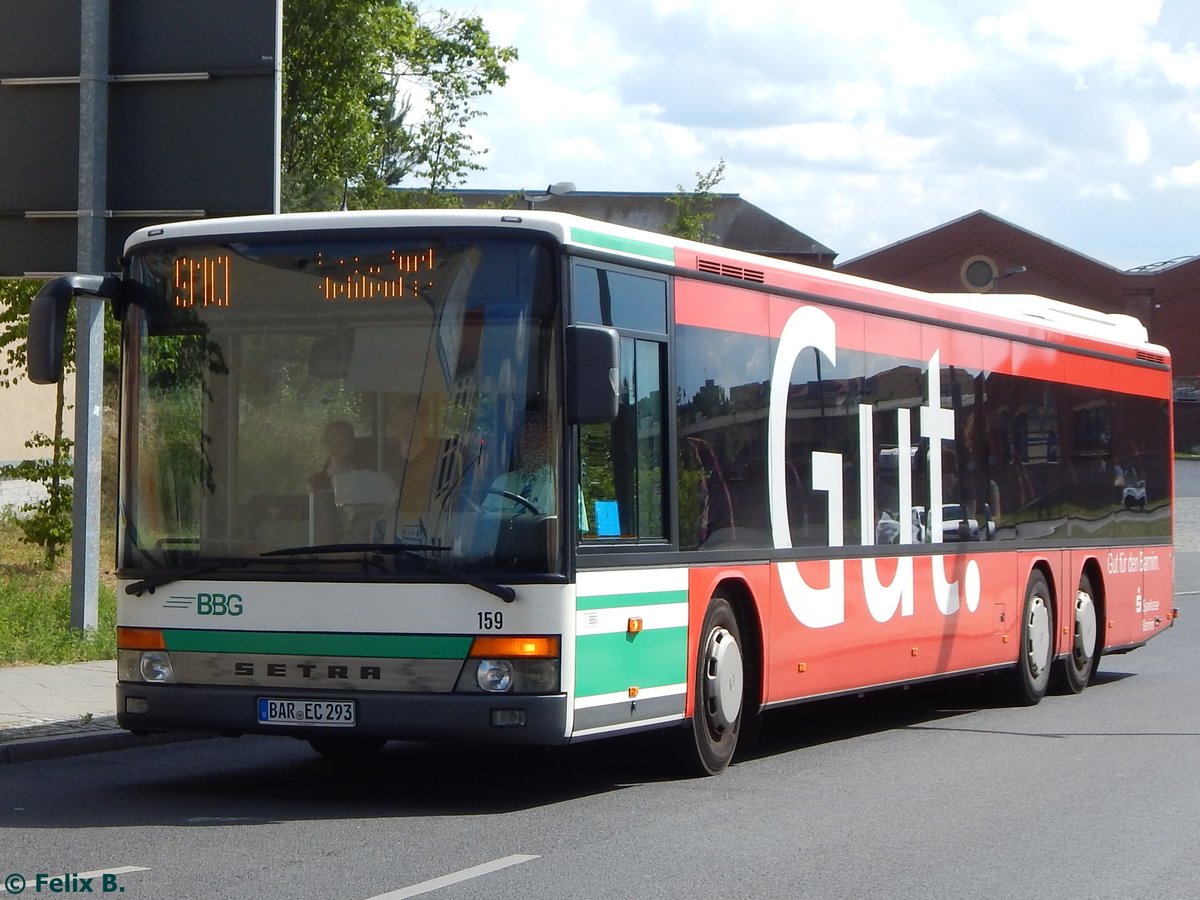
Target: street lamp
(553, 190)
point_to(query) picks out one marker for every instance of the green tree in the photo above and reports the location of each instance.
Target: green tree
(46, 522)
(695, 209)
(377, 93)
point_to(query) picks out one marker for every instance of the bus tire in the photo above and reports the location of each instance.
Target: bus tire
(1031, 675)
(347, 749)
(720, 689)
(1076, 668)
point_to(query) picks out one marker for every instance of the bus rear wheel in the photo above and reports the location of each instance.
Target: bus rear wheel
(720, 686)
(1031, 676)
(1076, 669)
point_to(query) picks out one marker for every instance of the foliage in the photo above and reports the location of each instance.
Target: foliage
(47, 521)
(16, 296)
(695, 209)
(377, 92)
(35, 611)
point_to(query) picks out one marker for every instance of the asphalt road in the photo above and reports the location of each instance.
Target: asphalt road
(938, 791)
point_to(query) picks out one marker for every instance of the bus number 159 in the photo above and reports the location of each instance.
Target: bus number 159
(491, 621)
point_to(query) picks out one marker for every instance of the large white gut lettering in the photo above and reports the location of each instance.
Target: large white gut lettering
(810, 328)
(806, 328)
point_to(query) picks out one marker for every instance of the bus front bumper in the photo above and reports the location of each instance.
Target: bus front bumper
(476, 718)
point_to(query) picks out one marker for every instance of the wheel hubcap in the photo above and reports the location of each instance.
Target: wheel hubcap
(1085, 628)
(723, 678)
(1039, 636)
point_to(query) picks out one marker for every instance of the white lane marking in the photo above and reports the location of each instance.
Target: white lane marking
(455, 877)
(119, 870)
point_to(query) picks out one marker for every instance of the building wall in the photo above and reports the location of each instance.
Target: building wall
(25, 408)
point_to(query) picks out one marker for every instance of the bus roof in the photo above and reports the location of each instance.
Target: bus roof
(620, 240)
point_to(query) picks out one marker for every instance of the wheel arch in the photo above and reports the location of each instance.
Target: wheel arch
(741, 597)
(747, 592)
(1047, 570)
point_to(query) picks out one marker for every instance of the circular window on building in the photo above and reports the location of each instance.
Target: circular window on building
(979, 273)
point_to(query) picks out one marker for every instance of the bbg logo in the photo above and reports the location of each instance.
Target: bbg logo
(218, 604)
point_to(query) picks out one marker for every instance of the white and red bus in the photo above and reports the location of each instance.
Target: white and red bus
(526, 477)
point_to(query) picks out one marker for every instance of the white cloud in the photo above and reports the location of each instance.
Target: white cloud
(870, 123)
(1180, 67)
(1077, 34)
(1137, 142)
(1187, 177)
(1110, 190)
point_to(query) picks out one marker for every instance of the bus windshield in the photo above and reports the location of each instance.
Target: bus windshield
(315, 398)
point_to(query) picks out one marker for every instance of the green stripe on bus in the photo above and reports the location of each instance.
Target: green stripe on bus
(383, 646)
(613, 601)
(606, 663)
(622, 244)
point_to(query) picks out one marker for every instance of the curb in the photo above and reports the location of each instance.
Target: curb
(100, 740)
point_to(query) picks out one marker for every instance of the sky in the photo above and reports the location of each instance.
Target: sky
(863, 122)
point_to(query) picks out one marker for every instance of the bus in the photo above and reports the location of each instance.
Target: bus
(524, 477)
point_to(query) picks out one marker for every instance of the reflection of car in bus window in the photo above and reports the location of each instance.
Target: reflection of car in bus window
(954, 517)
(1134, 495)
(887, 529)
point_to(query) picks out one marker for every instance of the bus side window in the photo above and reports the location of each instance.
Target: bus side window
(621, 478)
(622, 463)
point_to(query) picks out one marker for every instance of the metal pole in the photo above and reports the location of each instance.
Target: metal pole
(278, 63)
(89, 323)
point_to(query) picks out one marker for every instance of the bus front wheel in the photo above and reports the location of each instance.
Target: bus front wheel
(1032, 673)
(720, 686)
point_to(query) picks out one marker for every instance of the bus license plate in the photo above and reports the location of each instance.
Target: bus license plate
(292, 711)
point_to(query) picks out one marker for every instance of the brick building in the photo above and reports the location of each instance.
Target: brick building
(983, 253)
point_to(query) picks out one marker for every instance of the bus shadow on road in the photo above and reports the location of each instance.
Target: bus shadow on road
(927, 706)
(265, 780)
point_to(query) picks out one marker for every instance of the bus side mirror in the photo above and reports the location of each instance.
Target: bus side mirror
(48, 321)
(593, 383)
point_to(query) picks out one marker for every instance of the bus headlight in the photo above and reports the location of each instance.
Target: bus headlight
(156, 667)
(494, 675)
(509, 676)
(511, 664)
(150, 666)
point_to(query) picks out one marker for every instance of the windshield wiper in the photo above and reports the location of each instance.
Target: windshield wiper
(158, 579)
(408, 551)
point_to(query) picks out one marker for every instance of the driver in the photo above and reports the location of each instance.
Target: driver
(337, 439)
(531, 478)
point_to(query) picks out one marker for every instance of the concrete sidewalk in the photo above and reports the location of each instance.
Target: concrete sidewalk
(55, 711)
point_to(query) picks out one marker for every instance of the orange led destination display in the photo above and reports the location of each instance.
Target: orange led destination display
(209, 280)
(201, 281)
(403, 275)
